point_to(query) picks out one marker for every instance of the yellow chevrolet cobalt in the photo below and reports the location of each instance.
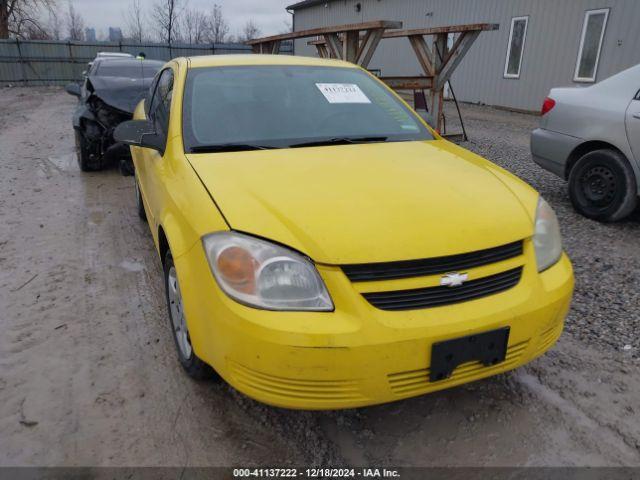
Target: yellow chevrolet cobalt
(323, 248)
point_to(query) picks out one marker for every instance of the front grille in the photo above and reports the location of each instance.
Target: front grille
(430, 266)
(438, 296)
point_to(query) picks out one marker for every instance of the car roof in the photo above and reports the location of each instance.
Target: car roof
(114, 54)
(123, 62)
(253, 59)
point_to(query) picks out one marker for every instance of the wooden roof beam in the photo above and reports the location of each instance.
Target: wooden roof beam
(480, 27)
(314, 32)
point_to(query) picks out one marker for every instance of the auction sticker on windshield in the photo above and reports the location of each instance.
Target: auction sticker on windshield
(342, 93)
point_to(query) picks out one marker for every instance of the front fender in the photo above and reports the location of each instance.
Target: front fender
(179, 244)
(82, 112)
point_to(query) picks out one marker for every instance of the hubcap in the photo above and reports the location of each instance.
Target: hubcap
(178, 320)
(599, 185)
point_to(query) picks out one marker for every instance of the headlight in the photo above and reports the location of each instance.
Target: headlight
(546, 239)
(265, 275)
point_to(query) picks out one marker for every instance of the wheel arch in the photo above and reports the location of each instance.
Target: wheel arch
(586, 147)
(163, 244)
(171, 237)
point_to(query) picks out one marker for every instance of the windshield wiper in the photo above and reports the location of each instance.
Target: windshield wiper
(228, 147)
(339, 141)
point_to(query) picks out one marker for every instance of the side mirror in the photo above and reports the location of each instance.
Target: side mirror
(139, 133)
(73, 89)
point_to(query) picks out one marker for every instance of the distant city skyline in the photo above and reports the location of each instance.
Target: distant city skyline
(115, 34)
(90, 34)
(269, 15)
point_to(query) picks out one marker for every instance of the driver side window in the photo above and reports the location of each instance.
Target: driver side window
(148, 98)
(160, 108)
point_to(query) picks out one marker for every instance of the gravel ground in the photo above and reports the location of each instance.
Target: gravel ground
(88, 374)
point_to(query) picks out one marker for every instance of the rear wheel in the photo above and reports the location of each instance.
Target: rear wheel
(602, 186)
(87, 161)
(194, 367)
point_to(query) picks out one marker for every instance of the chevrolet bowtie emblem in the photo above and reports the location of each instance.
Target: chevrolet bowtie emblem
(453, 279)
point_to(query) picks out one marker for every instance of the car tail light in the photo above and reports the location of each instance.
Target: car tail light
(548, 104)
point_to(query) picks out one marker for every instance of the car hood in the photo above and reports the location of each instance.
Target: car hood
(123, 93)
(372, 202)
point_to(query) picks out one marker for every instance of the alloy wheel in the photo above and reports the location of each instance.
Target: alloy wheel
(178, 319)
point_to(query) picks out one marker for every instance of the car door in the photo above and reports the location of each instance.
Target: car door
(152, 169)
(633, 127)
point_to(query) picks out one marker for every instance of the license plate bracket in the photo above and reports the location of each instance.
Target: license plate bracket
(488, 348)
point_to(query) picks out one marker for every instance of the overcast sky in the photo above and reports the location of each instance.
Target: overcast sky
(269, 15)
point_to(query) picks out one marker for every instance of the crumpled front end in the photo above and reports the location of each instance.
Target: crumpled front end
(97, 121)
(98, 117)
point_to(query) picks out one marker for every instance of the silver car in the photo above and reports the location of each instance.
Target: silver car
(591, 137)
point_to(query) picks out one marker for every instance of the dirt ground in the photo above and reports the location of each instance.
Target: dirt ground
(88, 370)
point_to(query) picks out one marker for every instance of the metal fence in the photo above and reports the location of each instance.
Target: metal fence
(47, 62)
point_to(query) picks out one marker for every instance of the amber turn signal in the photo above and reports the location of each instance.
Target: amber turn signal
(238, 266)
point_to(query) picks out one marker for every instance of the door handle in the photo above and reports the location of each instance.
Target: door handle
(636, 115)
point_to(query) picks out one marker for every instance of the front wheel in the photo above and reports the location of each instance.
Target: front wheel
(139, 202)
(194, 367)
(602, 186)
(87, 161)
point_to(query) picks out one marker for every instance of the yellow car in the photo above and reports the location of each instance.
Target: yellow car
(323, 248)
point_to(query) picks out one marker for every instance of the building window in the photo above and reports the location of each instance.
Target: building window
(595, 22)
(515, 50)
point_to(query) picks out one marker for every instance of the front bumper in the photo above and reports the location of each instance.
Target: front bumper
(359, 355)
(551, 150)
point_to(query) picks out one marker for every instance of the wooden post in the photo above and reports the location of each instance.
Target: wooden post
(350, 46)
(322, 50)
(453, 57)
(368, 46)
(423, 53)
(437, 92)
(334, 45)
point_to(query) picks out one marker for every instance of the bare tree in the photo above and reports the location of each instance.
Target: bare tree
(218, 26)
(54, 26)
(75, 23)
(33, 31)
(20, 18)
(165, 15)
(250, 31)
(193, 27)
(134, 22)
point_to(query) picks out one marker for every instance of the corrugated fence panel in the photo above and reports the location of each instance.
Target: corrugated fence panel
(35, 62)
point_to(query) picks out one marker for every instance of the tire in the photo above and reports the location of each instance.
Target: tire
(139, 202)
(126, 167)
(86, 162)
(191, 363)
(602, 186)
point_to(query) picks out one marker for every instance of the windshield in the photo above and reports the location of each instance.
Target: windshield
(288, 106)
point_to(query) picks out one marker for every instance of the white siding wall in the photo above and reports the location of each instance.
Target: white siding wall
(549, 57)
